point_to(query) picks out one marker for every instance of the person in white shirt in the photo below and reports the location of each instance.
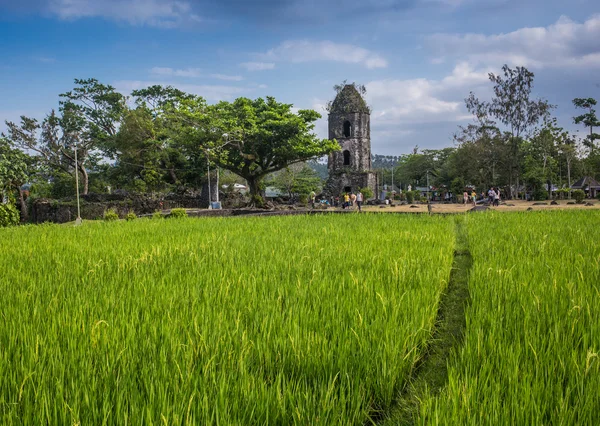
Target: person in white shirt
(359, 200)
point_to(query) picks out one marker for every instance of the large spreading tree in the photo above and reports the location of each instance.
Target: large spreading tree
(253, 138)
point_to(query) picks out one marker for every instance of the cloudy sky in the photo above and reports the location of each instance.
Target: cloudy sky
(418, 58)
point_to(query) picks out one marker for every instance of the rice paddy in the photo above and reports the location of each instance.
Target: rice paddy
(298, 320)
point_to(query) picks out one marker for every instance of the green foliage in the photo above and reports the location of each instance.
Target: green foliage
(130, 215)
(410, 197)
(296, 179)
(111, 215)
(367, 193)
(9, 215)
(262, 136)
(178, 213)
(157, 215)
(540, 194)
(579, 195)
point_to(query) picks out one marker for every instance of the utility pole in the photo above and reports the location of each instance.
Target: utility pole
(208, 176)
(78, 220)
(427, 185)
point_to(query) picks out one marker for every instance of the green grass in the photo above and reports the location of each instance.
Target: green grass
(530, 355)
(282, 320)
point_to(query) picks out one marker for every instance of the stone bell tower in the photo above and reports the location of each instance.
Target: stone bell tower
(349, 123)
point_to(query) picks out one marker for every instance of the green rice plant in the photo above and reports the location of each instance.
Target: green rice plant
(111, 215)
(532, 341)
(157, 215)
(130, 216)
(178, 213)
(231, 321)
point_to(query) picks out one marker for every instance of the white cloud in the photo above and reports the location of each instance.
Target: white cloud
(156, 13)
(191, 73)
(257, 66)
(207, 91)
(297, 51)
(227, 77)
(422, 100)
(563, 44)
(170, 72)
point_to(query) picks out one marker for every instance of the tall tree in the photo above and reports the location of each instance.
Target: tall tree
(588, 119)
(100, 109)
(15, 170)
(512, 106)
(54, 141)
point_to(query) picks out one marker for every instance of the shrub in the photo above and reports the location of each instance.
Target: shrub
(157, 215)
(410, 197)
(303, 198)
(417, 195)
(178, 213)
(579, 195)
(111, 215)
(540, 194)
(9, 215)
(367, 193)
(130, 216)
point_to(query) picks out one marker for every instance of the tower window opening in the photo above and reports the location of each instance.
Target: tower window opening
(347, 129)
(346, 158)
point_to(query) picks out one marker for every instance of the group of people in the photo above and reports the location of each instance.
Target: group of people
(351, 199)
(493, 197)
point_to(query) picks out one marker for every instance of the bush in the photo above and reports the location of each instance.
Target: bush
(410, 197)
(303, 198)
(178, 213)
(111, 215)
(157, 215)
(367, 193)
(130, 216)
(540, 194)
(579, 195)
(9, 215)
(417, 195)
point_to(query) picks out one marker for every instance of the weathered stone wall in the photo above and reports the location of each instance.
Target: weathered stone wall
(93, 206)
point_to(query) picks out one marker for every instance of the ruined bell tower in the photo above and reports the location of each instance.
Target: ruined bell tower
(349, 123)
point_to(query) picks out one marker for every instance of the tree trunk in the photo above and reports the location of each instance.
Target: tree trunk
(569, 176)
(257, 195)
(84, 179)
(24, 215)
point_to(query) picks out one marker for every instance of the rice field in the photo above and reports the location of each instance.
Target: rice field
(298, 320)
(236, 321)
(530, 354)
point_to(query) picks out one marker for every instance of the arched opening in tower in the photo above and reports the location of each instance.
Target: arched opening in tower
(346, 158)
(347, 129)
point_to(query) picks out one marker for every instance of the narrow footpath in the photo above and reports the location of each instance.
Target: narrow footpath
(431, 373)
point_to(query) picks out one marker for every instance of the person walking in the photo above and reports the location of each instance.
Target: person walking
(491, 195)
(346, 201)
(352, 199)
(359, 200)
(497, 197)
(474, 197)
(312, 198)
(465, 197)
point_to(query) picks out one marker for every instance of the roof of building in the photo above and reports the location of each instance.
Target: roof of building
(349, 100)
(586, 182)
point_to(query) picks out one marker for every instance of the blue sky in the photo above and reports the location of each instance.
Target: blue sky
(418, 58)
